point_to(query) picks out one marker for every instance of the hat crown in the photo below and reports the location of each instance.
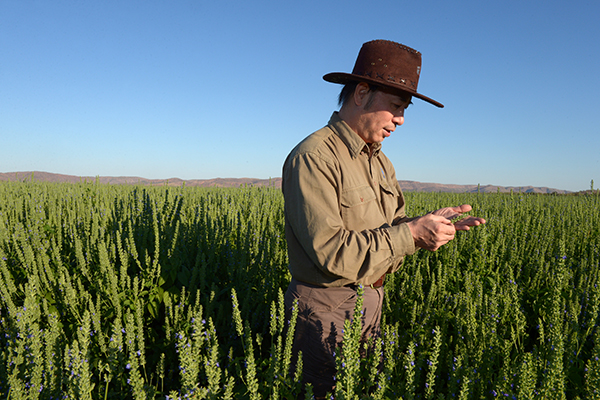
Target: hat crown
(389, 62)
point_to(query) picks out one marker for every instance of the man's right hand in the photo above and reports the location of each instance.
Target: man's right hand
(431, 231)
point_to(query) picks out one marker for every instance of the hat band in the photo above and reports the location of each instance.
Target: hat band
(391, 78)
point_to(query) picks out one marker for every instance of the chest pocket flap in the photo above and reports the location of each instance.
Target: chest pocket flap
(388, 188)
(357, 196)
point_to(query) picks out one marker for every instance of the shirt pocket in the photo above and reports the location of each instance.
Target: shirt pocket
(357, 196)
(360, 209)
(389, 199)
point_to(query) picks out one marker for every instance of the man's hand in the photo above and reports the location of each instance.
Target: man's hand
(462, 224)
(434, 230)
(431, 231)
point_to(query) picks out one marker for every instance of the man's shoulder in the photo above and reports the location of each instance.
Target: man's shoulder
(321, 142)
(315, 140)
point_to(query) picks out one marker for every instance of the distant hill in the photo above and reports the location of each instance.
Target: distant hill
(411, 186)
(407, 186)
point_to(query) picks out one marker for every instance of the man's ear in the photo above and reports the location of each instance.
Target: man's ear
(360, 93)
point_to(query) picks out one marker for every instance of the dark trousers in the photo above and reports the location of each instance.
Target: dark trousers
(321, 315)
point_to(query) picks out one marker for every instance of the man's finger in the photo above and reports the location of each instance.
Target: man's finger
(466, 208)
(464, 224)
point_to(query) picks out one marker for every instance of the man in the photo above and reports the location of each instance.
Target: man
(344, 209)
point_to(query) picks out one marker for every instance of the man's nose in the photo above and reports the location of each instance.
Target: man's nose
(399, 120)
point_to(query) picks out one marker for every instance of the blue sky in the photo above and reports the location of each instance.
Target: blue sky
(199, 89)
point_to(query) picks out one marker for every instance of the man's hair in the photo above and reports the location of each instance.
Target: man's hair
(348, 91)
(349, 88)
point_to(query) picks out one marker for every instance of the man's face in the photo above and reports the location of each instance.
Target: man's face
(382, 112)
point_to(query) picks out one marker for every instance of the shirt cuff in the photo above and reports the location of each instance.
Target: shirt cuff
(403, 244)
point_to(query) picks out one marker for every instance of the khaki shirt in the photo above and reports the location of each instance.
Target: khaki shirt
(344, 210)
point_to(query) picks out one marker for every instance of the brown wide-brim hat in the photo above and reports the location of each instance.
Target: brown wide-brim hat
(386, 63)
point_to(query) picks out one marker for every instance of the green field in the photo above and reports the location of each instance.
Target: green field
(131, 292)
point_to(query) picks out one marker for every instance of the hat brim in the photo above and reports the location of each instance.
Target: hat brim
(344, 78)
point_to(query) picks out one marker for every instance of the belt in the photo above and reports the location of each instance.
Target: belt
(379, 282)
(376, 285)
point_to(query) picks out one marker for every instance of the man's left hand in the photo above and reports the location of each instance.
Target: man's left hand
(463, 224)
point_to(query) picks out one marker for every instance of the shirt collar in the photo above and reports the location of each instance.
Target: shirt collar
(355, 143)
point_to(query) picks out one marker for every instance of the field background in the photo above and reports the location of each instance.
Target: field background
(130, 291)
(407, 186)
